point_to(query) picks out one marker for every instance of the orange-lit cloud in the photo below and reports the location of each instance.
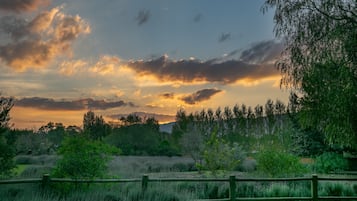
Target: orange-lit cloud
(22, 5)
(255, 63)
(70, 68)
(168, 95)
(106, 65)
(35, 43)
(254, 82)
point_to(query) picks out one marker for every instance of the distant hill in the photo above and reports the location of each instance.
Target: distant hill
(167, 127)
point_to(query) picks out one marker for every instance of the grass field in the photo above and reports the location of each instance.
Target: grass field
(155, 167)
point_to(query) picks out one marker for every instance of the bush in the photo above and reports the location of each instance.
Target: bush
(219, 155)
(83, 158)
(277, 163)
(7, 154)
(330, 162)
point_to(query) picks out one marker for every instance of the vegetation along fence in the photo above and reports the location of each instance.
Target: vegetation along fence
(46, 180)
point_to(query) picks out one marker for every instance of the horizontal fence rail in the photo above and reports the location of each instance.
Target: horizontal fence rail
(232, 180)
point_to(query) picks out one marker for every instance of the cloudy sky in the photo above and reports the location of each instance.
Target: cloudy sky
(62, 58)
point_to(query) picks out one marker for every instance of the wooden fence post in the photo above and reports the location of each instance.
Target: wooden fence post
(232, 188)
(144, 182)
(314, 192)
(45, 180)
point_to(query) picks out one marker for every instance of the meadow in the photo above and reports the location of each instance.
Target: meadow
(156, 167)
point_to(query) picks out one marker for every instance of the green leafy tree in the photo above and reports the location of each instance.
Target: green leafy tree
(7, 151)
(320, 62)
(94, 126)
(218, 155)
(270, 115)
(131, 119)
(54, 132)
(138, 139)
(152, 123)
(83, 158)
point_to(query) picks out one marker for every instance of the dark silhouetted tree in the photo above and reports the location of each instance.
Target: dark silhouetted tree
(94, 126)
(7, 150)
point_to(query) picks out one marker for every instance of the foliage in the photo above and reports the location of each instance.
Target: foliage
(131, 119)
(83, 158)
(308, 142)
(7, 152)
(28, 142)
(320, 62)
(55, 132)
(134, 140)
(219, 155)
(141, 139)
(192, 144)
(330, 92)
(94, 126)
(330, 162)
(277, 163)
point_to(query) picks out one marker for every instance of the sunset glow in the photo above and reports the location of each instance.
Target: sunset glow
(59, 59)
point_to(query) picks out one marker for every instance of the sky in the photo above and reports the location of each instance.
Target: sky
(60, 59)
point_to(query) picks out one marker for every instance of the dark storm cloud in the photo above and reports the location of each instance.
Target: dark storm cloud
(254, 63)
(142, 17)
(224, 37)
(199, 96)
(167, 95)
(191, 70)
(262, 52)
(14, 26)
(81, 104)
(21, 5)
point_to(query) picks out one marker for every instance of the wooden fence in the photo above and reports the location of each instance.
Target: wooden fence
(232, 180)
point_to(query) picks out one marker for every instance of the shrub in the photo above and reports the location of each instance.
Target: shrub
(7, 155)
(277, 163)
(219, 155)
(330, 162)
(83, 158)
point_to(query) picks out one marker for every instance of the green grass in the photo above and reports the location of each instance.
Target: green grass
(155, 167)
(19, 169)
(173, 191)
